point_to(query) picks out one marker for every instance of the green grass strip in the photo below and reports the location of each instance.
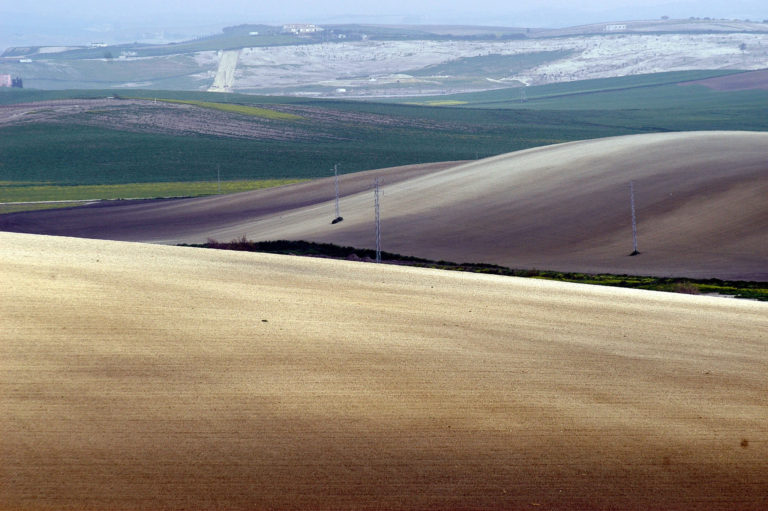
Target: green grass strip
(254, 111)
(37, 206)
(33, 192)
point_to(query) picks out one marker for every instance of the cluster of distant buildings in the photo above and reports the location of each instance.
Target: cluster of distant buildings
(307, 29)
(301, 28)
(9, 81)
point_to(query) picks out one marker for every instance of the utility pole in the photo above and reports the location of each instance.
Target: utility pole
(378, 220)
(338, 217)
(634, 218)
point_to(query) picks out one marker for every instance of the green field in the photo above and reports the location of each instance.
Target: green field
(238, 109)
(19, 192)
(99, 72)
(19, 196)
(395, 135)
(652, 91)
(362, 135)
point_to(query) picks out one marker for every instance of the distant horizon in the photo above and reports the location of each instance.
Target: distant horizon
(81, 22)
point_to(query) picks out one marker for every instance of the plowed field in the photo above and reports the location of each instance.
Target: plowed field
(150, 377)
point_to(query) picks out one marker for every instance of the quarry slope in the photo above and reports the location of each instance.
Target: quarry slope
(140, 376)
(700, 203)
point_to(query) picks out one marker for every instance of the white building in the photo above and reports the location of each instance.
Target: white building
(301, 28)
(5, 81)
(615, 28)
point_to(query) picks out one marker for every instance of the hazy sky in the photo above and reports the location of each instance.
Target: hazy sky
(81, 21)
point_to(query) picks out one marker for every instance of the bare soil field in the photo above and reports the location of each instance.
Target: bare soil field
(743, 81)
(700, 201)
(151, 116)
(147, 116)
(138, 376)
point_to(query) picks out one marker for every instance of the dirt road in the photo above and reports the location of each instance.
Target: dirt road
(225, 74)
(151, 377)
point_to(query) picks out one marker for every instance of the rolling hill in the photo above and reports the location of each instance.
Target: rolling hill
(700, 197)
(140, 377)
(64, 138)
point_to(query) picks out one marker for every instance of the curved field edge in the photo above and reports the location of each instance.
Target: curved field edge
(737, 289)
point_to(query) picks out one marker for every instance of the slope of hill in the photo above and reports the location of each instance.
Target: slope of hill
(700, 203)
(700, 197)
(153, 377)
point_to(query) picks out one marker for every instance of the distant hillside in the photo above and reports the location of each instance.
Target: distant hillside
(380, 61)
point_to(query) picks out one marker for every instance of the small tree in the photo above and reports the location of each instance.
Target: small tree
(743, 46)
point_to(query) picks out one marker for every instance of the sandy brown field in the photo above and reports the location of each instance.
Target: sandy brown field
(152, 377)
(701, 209)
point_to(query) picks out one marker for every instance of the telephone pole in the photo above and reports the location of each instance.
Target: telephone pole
(634, 218)
(378, 220)
(338, 217)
